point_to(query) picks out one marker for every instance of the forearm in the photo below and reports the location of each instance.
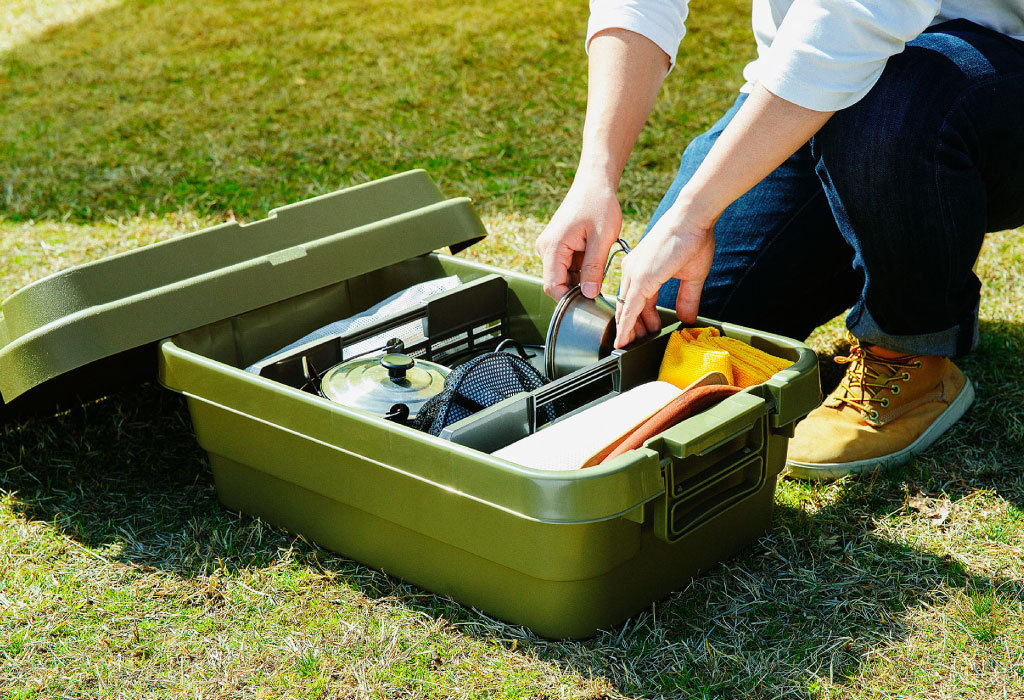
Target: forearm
(625, 72)
(762, 135)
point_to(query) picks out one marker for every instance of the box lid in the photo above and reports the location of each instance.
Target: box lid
(81, 330)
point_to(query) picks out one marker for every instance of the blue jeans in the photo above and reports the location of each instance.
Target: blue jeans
(885, 209)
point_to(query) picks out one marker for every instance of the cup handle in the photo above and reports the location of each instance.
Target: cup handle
(623, 248)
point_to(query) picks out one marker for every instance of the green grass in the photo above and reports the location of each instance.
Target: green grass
(123, 123)
(213, 106)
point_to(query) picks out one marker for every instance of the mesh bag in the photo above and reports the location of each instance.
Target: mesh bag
(477, 384)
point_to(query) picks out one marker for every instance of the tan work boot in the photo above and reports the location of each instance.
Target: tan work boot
(885, 411)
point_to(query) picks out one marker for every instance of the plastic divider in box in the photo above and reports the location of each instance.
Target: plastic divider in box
(515, 418)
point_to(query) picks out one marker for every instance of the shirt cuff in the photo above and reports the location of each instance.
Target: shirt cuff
(810, 93)
(662, 23)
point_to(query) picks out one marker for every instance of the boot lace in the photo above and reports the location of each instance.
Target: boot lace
(868, 375)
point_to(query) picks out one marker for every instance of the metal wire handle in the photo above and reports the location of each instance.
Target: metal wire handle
(515, 344)
(312, 377)
(624, 247)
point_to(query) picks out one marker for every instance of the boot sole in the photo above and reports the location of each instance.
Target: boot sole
(834, 470)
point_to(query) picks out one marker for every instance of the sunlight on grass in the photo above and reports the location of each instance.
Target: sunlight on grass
(211, 105)
(30, 250)
(21, 21)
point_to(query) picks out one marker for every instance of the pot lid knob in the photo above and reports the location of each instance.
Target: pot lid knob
(397, 365)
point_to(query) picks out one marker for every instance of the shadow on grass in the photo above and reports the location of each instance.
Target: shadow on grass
(810, 600)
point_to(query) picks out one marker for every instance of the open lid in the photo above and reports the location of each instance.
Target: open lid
(82, 330)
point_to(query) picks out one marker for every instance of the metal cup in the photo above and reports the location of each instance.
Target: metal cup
(582, 330)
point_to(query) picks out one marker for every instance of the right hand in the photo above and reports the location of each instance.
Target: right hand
(575, 244)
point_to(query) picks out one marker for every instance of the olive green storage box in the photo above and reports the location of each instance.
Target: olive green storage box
(564, 553)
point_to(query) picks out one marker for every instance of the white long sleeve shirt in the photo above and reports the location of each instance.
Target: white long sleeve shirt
(819, 54)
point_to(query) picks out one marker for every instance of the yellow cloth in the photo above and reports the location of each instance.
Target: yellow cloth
(693, 352)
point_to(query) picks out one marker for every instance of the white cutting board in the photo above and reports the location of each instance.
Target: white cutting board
(570, 443)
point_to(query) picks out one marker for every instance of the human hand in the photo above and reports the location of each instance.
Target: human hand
(681, 245)
(574, 246)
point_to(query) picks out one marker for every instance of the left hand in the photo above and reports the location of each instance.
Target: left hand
(681, 245)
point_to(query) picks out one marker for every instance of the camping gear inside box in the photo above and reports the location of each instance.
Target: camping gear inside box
(565, 552)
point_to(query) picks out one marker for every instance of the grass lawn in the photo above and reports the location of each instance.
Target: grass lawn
(127, 122)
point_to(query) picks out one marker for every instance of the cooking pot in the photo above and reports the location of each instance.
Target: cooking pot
(381, 385)
(582, 330)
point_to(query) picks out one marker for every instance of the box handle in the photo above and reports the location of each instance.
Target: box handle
(710, 463)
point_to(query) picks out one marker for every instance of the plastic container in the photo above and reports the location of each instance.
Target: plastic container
(564, 553)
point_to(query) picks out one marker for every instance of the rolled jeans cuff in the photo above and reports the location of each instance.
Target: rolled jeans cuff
(952, 342)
